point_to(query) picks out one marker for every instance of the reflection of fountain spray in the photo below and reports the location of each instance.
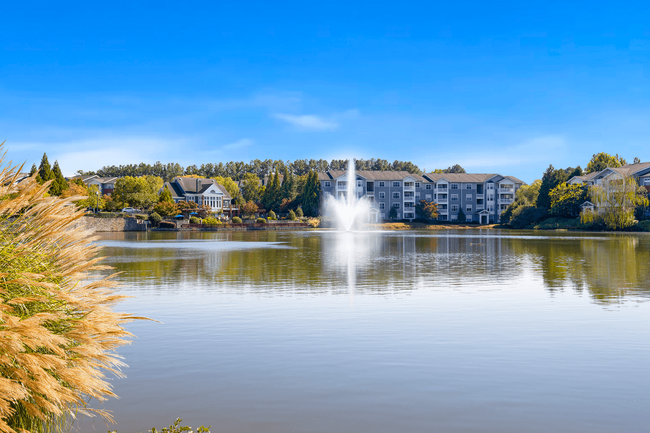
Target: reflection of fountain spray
(348, 208)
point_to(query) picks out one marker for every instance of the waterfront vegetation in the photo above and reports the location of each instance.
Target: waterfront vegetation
(58, 331)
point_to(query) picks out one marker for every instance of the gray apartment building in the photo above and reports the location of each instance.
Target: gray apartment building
(481, 197)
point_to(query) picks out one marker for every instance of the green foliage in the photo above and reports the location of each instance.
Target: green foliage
(195, 220)
(550, 180)
(251, 187)
(260, 220)
(165, 196)
(426, 210)
(177, 428)
(602, 160)
(310, 197)
(271, 198)
(288, 188)
(210, 221)
(165, 208)
(616, 200)
(461, 216)
(137, 191)
(558, 223)
(292, 215)
(230, 186)
(299, 213)
(392, 213)
(644, 226)
(155, 219)
(167, 225)
(525, 216)
(236, 220)
(44, 171)
(59, 184)
(272, 215)
(567, 198)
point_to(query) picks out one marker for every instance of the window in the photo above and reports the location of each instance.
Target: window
(469, 186)
(342, 184)
(454, 197)
(427, 197)
(442, 196)
(417, 195)
(328, 184)
(359, 183)
(397, 215)
(397, 184)
(371, 200)
(382, 195)
(454, 208)
(442, 207)
(490, 198)
(468, 208)
(454, 217)
(381, 184)
(409, 204)
(408, 215)
(468, 218)
(454, 186)
(468, 197)
(396, 205)
(427, 186)
(442, 217)
(396, 195)
(382, 206)
(442, 186)
(417, 184)
(490, 186)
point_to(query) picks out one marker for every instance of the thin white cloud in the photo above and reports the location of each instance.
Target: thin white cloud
(308, 122)
(239, 144)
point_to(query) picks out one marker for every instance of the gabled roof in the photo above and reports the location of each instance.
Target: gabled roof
(174, 189)
(468, 177)
(372, 175)
(191, 185)
(584, 178)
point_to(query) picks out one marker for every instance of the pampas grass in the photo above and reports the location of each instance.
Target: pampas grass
(58, 331)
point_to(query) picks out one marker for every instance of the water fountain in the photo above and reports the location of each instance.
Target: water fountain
(348, 209)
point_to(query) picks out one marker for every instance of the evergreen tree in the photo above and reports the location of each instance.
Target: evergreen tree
(165, 196)
(33, 171)
(44, 170)
(288, 188)
(310, 197)
(59, 184)
(543, 199)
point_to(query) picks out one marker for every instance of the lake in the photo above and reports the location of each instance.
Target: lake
(415, 331)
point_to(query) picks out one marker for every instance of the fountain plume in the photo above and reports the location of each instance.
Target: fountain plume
(348, 209)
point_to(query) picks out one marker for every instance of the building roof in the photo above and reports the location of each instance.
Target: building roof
(468, 177)
(193, 185)
(372, 175)
(585, 177)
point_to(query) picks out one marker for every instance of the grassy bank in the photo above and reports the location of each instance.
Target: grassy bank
(425, 226)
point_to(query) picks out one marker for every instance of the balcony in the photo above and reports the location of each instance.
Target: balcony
(409, 188)
(479, 196)
(507, 190)
(506, 201)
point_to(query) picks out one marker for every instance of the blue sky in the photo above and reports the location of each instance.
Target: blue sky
(506, 87)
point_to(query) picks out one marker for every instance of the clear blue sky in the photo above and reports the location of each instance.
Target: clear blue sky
(504, 87)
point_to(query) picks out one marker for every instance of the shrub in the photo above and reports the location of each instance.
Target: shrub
(195, 220)
(526, 216)
(236, 220)
(292, 215)
(210, 221)
(260, 220)
(58, 330)
(165, 208)
(644, 226)
(155, 219)
(272, 215)
(313, 222)
(167, 225)
(299, 212)
(141, 217)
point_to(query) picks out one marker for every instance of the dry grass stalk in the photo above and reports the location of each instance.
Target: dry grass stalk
(58, 331)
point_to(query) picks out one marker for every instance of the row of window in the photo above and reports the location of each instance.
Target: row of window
(396, 184)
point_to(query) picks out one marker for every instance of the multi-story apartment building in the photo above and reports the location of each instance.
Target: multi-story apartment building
(640, 172)
(481, 197)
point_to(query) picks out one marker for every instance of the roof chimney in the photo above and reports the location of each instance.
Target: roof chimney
(197, 184)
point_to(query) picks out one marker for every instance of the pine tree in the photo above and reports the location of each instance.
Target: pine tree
(310, 197)
(288, 185)
(59, 184)
(44, 170)
(165, 196)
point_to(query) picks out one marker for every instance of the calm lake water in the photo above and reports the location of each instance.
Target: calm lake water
(445, 331)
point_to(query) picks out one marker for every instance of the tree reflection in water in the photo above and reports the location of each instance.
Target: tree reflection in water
(609, 267)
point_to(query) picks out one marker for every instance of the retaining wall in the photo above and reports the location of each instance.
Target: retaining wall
(112, 224)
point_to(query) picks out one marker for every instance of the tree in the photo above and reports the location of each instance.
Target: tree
(138, 191)
(601, 161)
(44, 170)
(616, 199)
(550, 180)
(272, 215)
(527, 194)
(456, 168)
(426, 210)
(165, 208)
(299, 212)
(230, 186)
(59, 184)
(392, 213)
(461, 216)
(292, 215)
(165, 196)
(288, 188)
(637, 160)
(567, 198)
(249, 208)
(270, 199)
(310, 197)
(250, 188)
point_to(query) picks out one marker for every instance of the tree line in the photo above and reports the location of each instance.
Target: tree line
(237, 170)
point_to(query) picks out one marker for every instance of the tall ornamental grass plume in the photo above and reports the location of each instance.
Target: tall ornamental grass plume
(58, 331)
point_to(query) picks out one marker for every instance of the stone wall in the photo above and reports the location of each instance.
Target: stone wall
(112, 224)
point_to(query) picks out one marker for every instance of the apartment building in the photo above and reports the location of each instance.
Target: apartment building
(481, 197)
(640, 172)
